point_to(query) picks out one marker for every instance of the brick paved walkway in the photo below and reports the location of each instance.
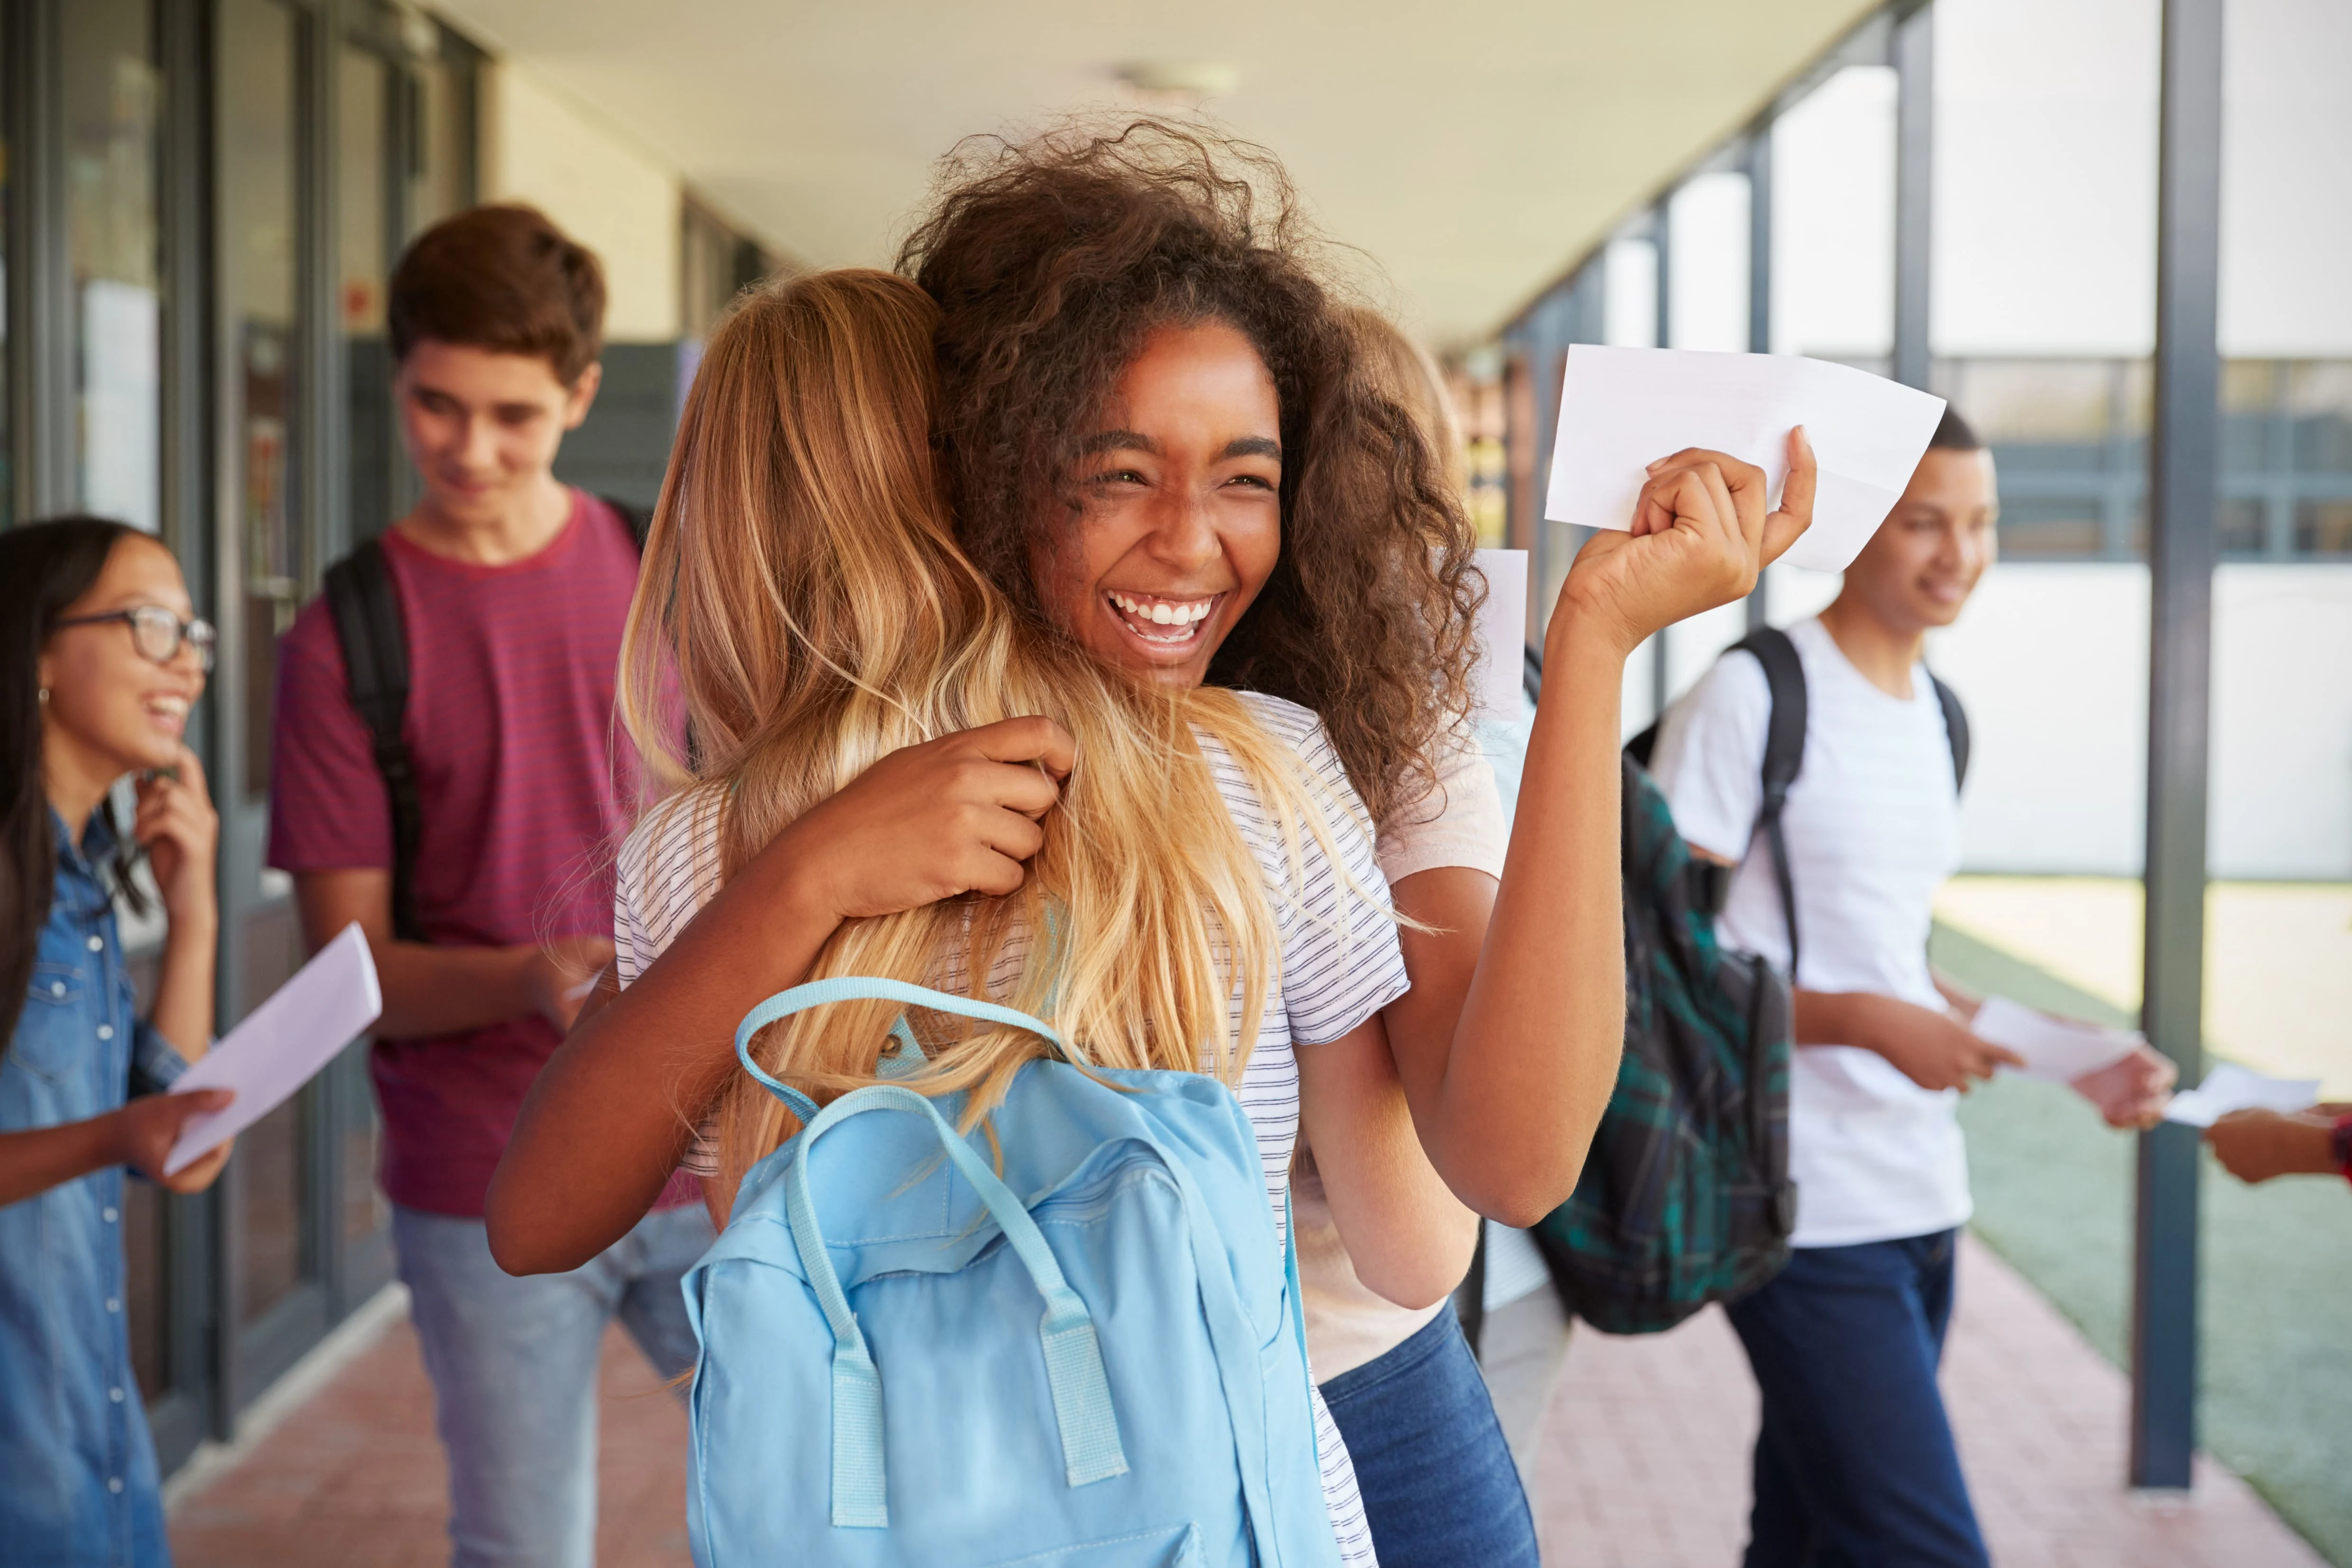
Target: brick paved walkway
(354, 1477)
(1644, 1456)
(1644, 1465)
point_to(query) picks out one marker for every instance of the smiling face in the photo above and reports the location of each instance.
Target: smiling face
(112, 710)
(482, 429)
(1180, 520)
(1919, 568)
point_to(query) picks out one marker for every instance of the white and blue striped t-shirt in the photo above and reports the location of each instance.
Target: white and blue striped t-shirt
(1339, 965)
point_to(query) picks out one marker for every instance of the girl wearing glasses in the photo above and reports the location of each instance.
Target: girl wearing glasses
(101, 662)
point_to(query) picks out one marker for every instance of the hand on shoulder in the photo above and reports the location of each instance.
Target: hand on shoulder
(950, 817)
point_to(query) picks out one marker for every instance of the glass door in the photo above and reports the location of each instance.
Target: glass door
(107, 148)
(276, 1302)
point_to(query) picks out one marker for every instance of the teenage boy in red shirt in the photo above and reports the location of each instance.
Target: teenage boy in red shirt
(512, 591)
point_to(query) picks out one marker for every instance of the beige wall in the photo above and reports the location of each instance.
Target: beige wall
(539, 148)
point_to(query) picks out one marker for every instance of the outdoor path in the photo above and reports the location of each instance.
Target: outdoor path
(2278, 960)
(353, 1477)
(1644, 1455)
(1644, 1464)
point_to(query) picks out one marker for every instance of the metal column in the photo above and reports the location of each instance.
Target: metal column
(1661, 244)
(1760, 305)
(1913, 52)
(2181, 489)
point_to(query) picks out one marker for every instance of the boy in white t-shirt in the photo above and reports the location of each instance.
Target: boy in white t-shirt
(1854, 1462)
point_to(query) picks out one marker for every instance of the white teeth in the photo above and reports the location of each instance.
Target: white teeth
(1182, 614)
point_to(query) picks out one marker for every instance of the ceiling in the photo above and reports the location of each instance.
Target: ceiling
(1468, 153)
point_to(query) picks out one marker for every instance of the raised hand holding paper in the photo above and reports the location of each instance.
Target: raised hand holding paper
(1623, 409)
(282, 1044)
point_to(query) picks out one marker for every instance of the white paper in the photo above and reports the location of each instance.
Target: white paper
(1500, 681)
(2053, 1049)
(2229, 1086)
(282, 1044)
(1623, 409)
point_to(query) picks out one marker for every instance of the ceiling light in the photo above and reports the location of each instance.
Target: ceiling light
(1184, 84)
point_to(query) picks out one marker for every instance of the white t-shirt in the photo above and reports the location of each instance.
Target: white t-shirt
(1459, 823)
(1339, 959)
(1873, 826)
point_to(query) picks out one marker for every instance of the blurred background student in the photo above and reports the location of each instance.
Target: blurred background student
(508, 590)
(1855, 1461)
(100, 661)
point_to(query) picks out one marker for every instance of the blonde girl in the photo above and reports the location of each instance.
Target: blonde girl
(892, 773)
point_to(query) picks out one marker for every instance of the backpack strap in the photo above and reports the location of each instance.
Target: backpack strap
(1784, 757)
(639, 520)
(1091, 1448)
(1956, 728)
(365, 606)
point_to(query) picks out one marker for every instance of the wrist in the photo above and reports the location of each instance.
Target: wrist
(530, 964)
(194, 916)
(1580, 635)
(791, 886)
(110, 1139)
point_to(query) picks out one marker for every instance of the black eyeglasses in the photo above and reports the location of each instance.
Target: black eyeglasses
(155, 631)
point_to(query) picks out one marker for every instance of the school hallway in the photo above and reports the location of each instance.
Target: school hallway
(1642, 1464)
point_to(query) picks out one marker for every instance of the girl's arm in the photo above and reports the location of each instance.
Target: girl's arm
(610, 1116)
(140, 1135)
(1409, 1237)
(1507, 1043)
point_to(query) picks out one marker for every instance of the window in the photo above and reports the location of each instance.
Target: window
(111, 96)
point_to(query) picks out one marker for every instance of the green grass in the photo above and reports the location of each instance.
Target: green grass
(2053, 1191)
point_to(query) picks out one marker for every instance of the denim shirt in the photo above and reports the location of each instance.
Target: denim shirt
(77, 1475)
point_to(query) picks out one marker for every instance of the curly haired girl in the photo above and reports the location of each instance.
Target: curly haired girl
(1162, 439)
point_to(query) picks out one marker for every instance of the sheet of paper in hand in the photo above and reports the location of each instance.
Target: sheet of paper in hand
(1623, 409)
(2054, 1048)
(2229, 1086)
(1502, 673)
(282, 1044)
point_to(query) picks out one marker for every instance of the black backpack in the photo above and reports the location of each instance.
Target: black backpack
(1685, 1196)
(366, 607)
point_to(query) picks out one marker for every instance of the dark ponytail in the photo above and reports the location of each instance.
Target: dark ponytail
(43, 567)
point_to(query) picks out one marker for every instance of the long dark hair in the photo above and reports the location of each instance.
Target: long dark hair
(44, 566)
(1052, 260)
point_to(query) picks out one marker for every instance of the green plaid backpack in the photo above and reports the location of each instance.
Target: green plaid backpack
(1685, 1196)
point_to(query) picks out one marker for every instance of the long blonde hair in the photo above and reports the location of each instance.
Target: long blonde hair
(803, 610)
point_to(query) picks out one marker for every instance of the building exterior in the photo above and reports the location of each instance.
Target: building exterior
(204, 200)
(1999, 234)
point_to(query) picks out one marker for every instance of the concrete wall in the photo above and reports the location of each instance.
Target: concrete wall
(2052, 660)
(543, 149)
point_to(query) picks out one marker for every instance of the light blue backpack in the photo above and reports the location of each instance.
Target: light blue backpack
(1094, 1362)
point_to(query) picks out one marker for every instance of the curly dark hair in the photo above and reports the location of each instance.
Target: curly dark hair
(1052, 260)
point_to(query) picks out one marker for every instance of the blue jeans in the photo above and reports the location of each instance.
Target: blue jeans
(513, 1363)
(1440, 1489)
(1854, 1464)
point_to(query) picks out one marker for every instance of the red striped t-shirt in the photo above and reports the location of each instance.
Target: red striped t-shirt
(525, 783)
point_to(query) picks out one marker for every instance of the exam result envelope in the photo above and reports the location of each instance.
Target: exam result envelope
(282, 1044)
(1622, 409)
